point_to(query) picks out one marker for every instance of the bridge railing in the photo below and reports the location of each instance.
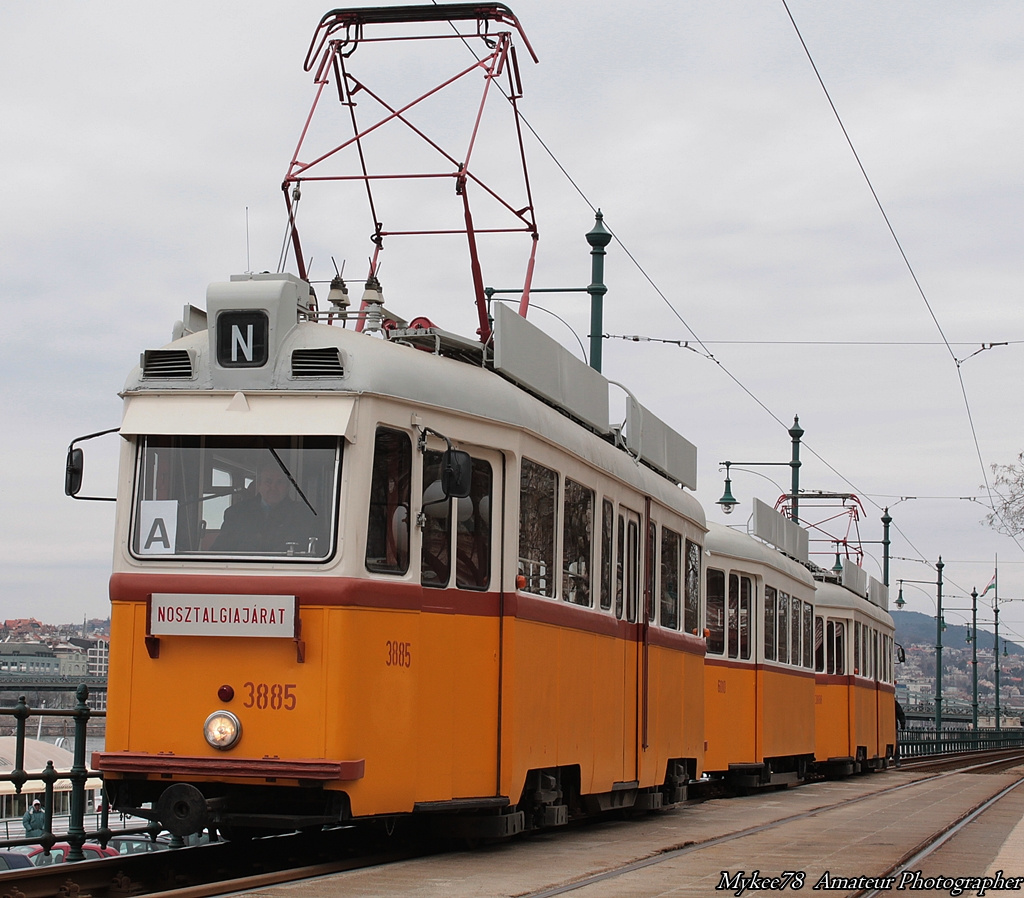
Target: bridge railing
(921, 743)
(78, 775)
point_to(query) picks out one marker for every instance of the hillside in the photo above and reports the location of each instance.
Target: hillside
(914, 628)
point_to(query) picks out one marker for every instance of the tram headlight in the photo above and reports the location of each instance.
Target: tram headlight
(222, 730)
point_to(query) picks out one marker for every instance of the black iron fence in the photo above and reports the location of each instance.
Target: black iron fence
(914, 743)
(920, 743)
(78, 776)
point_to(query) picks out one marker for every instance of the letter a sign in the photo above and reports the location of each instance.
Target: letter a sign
(243, 339)
(158, 527)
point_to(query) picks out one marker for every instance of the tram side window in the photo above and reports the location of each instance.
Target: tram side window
(650, 562)
(607, 557)
(819, 644)
(783, 628)
(808, 631)
(856, 648)
(840, 649)
(671, 543)
(632, 567)
(538, 492)
(387, 534)
(796, 629)
(734, 616)
(691, 610)
(770, 615)
(746, 604)
(473, 531)
(577, 537)
(472, 521)
(620, 567)
(435, 553)
(716, 611)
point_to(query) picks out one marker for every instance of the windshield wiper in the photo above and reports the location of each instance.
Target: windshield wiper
(288, 474)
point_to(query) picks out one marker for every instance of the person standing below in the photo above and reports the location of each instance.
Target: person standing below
(34, 820)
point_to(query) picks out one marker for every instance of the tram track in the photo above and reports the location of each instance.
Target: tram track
(208, 870)
(225, 868)
(949, 767)
(909, 865)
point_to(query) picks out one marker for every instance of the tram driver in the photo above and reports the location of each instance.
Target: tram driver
(269, 519)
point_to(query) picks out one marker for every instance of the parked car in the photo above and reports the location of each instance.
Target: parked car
(58, 854)
(13, 860)
(138, 843)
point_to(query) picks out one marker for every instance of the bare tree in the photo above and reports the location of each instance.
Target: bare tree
(1007, 515)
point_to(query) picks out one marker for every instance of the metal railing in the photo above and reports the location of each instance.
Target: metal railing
(923, 743)
(78, 775)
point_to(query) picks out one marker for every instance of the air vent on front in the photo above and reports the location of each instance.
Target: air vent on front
(325, 362)
(167, 364)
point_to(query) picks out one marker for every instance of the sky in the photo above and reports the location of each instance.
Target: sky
(143, 150)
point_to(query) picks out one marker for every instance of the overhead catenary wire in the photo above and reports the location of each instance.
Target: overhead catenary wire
(704, 345)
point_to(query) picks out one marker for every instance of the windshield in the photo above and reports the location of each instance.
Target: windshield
(269, 497)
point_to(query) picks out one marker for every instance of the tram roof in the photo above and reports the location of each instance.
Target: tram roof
(736, 544)
(278, 399)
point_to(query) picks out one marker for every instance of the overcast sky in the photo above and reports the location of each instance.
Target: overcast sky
(136, 137)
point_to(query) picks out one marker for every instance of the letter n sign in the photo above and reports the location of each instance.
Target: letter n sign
(243, 339)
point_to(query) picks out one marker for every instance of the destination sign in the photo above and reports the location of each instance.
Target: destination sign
(174, 614)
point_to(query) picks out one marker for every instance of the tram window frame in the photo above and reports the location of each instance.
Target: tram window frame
(840, 642)
(538, 526)
(633, 596)
(436, 525)
(669, 567)
(808, 658)
(391, 484)
(782, 643)
(607, 552)
(746, 616)
(732, 616)
(650, 566)
(183, 482)
(620, 566)
(771, 617)
(795, 631)
(474, 529)
(577, 542)
(692, 573)
(715, 610)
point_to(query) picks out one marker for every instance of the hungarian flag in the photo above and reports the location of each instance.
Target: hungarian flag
(991, 584)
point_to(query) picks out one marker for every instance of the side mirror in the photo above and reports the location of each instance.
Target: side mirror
(901, 656)
(73, 472)
(456, 473)
(74, 469)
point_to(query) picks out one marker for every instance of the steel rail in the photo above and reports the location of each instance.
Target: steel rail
(752, 831)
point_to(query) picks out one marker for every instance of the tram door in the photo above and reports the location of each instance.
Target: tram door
(627, 608)
(460, 558)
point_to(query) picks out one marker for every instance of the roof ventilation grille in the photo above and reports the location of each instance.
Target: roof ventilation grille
(323, 362)
(167, 364)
